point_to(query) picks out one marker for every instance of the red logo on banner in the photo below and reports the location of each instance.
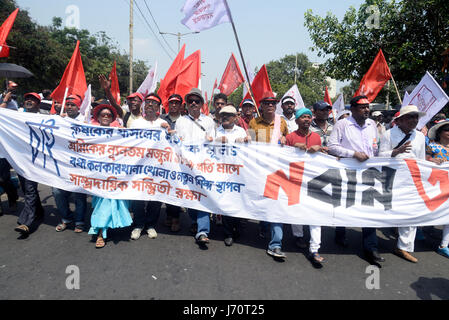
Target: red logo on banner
(291, 187)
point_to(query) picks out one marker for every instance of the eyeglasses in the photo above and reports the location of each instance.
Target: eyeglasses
(194, 101)
(153, 102)
(103, 115)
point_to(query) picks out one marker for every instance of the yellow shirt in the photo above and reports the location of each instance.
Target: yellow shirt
(261, 131)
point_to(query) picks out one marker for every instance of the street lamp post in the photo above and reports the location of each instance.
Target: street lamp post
(179, 35)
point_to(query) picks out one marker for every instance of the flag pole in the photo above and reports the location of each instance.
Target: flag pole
(250, 90)
(63, 101)
(396, 87)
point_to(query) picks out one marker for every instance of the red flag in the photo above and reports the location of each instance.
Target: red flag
(261, 84)
(73, 78)
(189, 74)
(232, 77)
(327, 98)
(168, 84)
(375, 79)
(205, 108)
(115, 89)
(4, 32)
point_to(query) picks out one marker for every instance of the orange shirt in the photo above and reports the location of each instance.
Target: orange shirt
(264, 130)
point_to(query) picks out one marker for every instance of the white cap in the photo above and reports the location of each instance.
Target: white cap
(228, 109)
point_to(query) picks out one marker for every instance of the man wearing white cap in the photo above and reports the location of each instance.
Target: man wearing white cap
(379, 118)
(228, 132)
(403, 141)
(288, 105)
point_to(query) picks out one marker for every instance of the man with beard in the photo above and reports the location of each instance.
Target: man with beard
(357, 137)
(134, 102)
(288, 105)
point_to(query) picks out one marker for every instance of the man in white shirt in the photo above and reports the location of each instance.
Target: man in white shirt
(288, 105)
(403, 141)
(229, 132)
(196, 128)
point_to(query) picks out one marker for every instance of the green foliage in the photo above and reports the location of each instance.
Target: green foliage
(46, 51)
(411, 33)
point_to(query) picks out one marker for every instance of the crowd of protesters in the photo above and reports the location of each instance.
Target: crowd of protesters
(353, 133)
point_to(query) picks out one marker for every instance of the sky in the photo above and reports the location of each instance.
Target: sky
(267, 30)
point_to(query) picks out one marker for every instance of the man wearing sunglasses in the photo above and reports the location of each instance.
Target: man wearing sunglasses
(196, 128)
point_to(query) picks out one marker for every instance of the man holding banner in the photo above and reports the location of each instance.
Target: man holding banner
(403, 141)
(356, 137)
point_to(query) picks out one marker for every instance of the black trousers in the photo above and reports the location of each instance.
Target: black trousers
(172, 211)
(5, 181)
(32, 209)
(231, 226)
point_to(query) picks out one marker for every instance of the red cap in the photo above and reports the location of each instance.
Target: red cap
(12, 84)
(152, 97)
(135, 94)
(268, 96)
(33, 94)
(75, 99)
(100, 107)
(363, 101)
(175, 99)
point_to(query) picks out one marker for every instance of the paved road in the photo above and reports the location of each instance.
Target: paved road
(174, 267)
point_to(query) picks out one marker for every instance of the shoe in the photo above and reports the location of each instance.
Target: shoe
(276, 253)
(443, 251)
(374, 256)
(152, 234)
(343, 242)
(405, 255)
(23, 229)
(301, 243)
(175, 226)
(316, 258)
(228, 241)
(202, 239)
(135, 234)
(168, 222)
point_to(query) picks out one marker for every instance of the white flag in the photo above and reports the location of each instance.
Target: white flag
(86, 105)
(204, 14)
(338, 106)
(293, 92)
(150, 82)
(406, 99)
(429, 98)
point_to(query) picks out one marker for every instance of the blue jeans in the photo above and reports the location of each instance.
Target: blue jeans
(202, 219)
(62, 203)
(276, 235)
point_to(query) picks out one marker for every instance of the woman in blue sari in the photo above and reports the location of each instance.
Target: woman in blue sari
(107, 213)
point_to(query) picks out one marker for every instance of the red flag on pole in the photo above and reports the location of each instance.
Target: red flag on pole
(232, 77)
(261, 84)
(73, 78)
(189, 74)
(205, 108)
(168, 84)
(115, 89)
(4, 32)
(375, 79)
(327, 98)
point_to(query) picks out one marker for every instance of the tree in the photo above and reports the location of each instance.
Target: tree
(46, 50)
(411, 33)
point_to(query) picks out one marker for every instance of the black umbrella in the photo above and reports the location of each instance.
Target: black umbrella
(10, 70)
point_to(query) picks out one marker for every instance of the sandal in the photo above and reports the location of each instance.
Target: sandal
(79, 229)
(100, 243)
(203, 239)
(61, 227)
(316, 258)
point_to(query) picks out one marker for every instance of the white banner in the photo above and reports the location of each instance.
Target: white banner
(204, 14)
(254, 181)
(428, 97)
(293, 92)
(338, 106)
